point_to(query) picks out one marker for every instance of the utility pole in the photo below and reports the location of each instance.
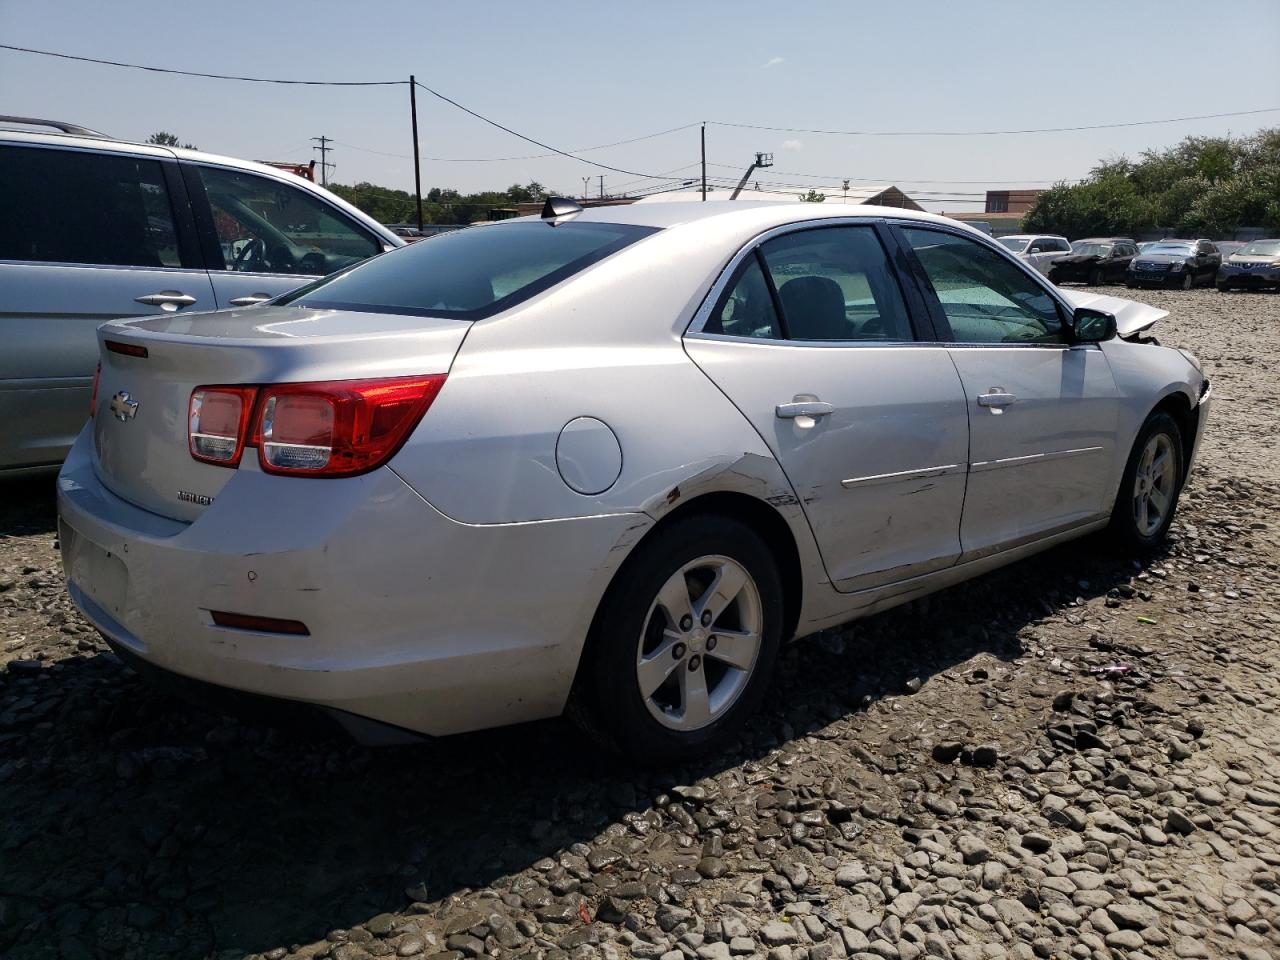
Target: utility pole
(846, 191)
(417, 168)
(586, 187)
(602, 186)
(704, 161)
(324, 149)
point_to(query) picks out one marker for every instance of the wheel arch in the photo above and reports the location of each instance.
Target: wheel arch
(1185, 415)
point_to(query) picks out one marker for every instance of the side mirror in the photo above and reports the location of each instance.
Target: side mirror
(1092, 326)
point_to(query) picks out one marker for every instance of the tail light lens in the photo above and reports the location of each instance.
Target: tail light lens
(339, 428)
(93, 400)
(218, 423)
(335, 428)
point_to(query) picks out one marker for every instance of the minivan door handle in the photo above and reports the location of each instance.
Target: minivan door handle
(249, 299)
(167, 299)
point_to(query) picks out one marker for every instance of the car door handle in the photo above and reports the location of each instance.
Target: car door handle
(803, 408)
(996, 399)
(249, 299)
(167, 299)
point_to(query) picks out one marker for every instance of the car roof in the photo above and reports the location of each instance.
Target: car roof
(113, 145)
(753, 214)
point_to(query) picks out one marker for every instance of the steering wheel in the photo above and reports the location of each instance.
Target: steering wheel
(251, 255)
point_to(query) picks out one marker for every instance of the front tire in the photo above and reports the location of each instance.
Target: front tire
(1149, 487)
(1188, 280)
(1095, 277)
(683, 646)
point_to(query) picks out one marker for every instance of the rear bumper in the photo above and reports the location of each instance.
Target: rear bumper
(414, 620)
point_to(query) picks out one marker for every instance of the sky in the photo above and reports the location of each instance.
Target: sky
(579, 74)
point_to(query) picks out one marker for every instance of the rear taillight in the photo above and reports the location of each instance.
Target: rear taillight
(338, 428)
(93, 400)
(218, 423)
(335, 428)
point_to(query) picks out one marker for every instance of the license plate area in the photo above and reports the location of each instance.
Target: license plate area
(97, 572)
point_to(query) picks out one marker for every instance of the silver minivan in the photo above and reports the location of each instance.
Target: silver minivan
(95, 228)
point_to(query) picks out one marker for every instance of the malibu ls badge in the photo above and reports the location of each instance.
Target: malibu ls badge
(197, 498)
(123, 406)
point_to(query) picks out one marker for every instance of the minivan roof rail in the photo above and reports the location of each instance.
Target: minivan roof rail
(71, 128)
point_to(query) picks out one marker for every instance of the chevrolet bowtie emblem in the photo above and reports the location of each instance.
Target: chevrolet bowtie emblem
(124, 407)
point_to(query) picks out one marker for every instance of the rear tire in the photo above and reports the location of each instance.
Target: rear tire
(1149, 488)
(651, 675)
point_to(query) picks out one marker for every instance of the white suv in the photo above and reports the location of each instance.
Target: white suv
(1039, 250)
(95, 228)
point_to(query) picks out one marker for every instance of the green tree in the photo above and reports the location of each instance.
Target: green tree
(162, 138)
(813, 196)
(1201, 185)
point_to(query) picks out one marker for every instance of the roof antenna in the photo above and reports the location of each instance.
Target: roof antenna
(557, 207)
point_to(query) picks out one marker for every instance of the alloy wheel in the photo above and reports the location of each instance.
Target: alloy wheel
(1153, 484)
(700, 643)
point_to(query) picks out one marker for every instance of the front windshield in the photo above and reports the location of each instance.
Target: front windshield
(1260, 248)
(1171, 248)
(1091, 249)
(1016, 244)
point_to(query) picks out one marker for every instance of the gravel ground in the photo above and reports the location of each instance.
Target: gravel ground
(1075, 757)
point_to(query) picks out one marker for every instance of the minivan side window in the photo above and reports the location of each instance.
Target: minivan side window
(985, 298)
(265, 226)
(76, 206)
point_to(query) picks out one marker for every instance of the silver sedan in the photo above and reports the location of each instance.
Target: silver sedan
(605, 460)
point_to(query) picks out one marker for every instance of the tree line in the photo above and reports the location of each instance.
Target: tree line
(1202, 186)
(439, 204)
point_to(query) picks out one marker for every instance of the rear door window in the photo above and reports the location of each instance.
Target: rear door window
(835, 283)
(265, 226)
(76, 206)
(473, 273)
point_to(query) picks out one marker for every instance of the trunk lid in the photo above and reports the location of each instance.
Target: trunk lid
(140, 422)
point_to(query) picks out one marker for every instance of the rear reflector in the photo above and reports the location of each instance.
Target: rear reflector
(218, 422)
(128, 349)
(245, 621)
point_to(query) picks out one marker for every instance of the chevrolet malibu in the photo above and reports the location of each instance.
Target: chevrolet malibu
(605, 461)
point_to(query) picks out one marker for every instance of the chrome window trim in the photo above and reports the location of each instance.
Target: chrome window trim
(727, 274)
(102, 266)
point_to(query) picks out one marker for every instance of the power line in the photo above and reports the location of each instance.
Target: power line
(528, 156)
(210, 76)
(991, 133)
(536, 143)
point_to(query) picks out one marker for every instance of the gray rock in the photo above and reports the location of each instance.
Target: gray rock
(1133, 916)
(776, 933)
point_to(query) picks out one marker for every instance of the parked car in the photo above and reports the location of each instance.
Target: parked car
(1174, 263)
(1255, 266)
(96, 228)
(1227, 247)
(1096, 261)
(1147, 245)
(1038, 250)
(477, 479)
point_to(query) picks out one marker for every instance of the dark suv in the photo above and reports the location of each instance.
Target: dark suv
(1175, 263)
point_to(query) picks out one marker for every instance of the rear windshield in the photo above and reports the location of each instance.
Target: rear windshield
(469, 274)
